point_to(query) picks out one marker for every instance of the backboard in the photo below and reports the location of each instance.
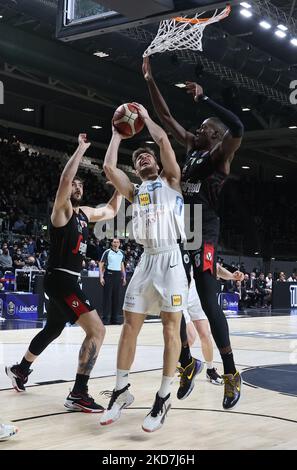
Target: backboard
(79, 19)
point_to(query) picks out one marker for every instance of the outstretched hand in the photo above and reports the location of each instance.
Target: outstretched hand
(142, 111)
(116, 132)
(146, 69)
(194, 89)
(83, 141)
(238, 276)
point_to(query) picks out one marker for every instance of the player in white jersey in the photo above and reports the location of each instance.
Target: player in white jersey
(159, 282)
(7, 431)
(197, 321)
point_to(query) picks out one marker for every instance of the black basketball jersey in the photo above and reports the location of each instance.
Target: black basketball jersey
(202, 184)
(68, 244)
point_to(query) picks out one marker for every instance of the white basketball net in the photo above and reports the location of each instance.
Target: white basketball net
(183, 33)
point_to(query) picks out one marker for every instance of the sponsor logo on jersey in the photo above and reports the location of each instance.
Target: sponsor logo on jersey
(179, 203)
(83, 223)
(75, 303)
(176, 300)
(190, 188)
(144, 199)
(153, 186)
(83, 248)
(208, 256)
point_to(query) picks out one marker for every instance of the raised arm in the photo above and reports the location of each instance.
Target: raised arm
(117, 177)
(109, 211)
(224, 152)
(62, 208)
(171, 170)
(180, 134)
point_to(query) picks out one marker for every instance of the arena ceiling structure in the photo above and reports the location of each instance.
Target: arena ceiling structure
(244, 65)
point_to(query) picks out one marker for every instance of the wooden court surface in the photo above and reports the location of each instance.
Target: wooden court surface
(263, 419)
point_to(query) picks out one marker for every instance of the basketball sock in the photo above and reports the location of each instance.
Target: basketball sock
(24, 366)
(80, 384)
(165, 386)
(122, 378)
(228, 363)
(209, 365)
(185, 357)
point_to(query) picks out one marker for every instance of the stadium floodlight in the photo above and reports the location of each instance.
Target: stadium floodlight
(280, 34)
(264, 24)
(246, 13)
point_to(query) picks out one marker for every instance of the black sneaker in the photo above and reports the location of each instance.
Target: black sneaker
(18, 378)
(214, 377)
(82, 402)
(187, 378)
(156, 417)
(232, 390)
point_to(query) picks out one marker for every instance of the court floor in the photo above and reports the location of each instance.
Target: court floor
(265, 349)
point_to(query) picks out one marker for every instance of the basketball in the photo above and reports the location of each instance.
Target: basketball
(127, 121)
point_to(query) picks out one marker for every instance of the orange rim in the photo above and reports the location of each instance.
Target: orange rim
(182, 19)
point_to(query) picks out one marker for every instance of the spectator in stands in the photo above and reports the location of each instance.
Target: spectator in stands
(293, 277)
(18, 259)
(93, 266)
(31, 246)
(38, 262)
(41, 244)
(250, 286)
(239, 289)
(19, 225)
(281, 277)
(269, 280)
(5, 259)
(30, 264)
(261, 289)
(43, 258)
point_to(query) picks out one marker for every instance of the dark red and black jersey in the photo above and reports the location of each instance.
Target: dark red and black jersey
(68, 244)
(202, 184)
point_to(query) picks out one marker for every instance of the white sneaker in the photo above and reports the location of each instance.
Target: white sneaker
(156, 417)
(7, 431)
(119, 399)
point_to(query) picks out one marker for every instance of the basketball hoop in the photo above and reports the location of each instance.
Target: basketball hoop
(183, 33)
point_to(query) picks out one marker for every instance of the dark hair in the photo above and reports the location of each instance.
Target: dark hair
(78, 178)
(140, 150)
(219, 125)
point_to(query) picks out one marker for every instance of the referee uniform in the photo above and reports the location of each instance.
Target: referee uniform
(112, 307)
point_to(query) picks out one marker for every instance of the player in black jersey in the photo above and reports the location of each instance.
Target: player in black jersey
(210, 152)
(67, 302)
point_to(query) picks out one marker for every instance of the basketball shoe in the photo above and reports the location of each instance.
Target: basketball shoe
(156, 417)
(7, 431)
(214, 377)
(187, 378)
(119, 399)
(82, 402)
(232, 390)
(18, 378)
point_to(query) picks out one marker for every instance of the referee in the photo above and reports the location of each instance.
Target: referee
(112, 275)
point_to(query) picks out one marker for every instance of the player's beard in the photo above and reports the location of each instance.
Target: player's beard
(76, 202)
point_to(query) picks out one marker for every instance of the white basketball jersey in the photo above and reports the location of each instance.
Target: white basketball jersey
(157, 214)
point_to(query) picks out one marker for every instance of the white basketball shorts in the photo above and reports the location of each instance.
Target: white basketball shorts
(159, 283)
(193, 310)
